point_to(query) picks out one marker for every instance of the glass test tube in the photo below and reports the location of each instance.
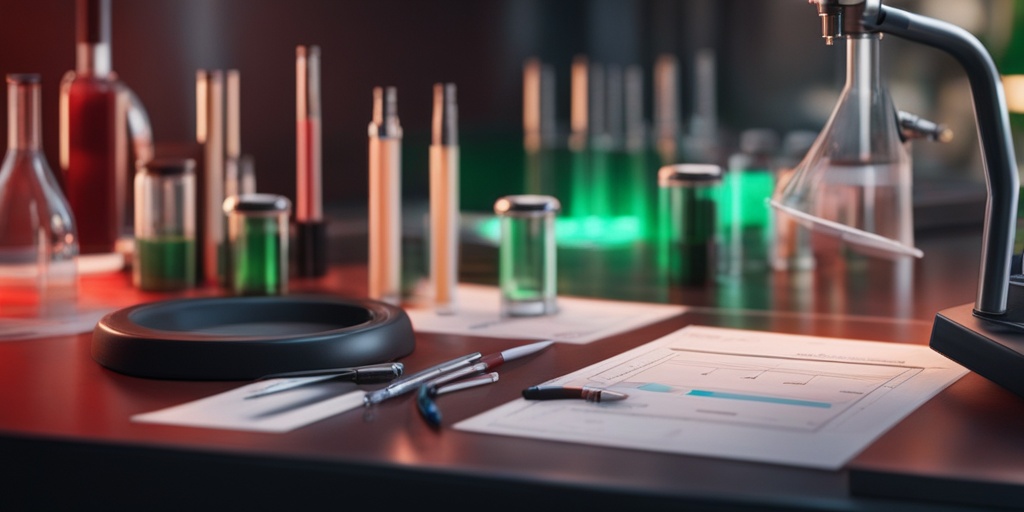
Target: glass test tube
(688, 195)
(528, 255)
(385, 215)
(258, 238)
(165, 225)
(444, 199)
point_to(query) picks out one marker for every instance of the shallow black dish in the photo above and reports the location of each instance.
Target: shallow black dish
(239, 338)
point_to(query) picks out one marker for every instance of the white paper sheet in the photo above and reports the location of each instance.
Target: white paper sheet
(71, 323)
(748, 395)
(578, 321)
(278, 412)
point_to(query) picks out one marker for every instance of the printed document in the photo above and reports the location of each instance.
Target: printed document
(578, 320)
(747, 395)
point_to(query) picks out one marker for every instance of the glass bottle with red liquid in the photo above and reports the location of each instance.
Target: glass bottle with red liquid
(93, 138)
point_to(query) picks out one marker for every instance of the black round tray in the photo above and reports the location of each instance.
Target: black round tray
(240, 338)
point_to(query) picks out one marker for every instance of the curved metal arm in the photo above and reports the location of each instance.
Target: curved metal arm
(994, 133)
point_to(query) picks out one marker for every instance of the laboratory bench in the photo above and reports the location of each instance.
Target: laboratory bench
(67, 441)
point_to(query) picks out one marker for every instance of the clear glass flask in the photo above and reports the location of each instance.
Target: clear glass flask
(38, 237)
(527, 254)
(855, 182)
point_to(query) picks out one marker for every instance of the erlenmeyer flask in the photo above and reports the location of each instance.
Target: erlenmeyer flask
(38, 240)
(855, 182)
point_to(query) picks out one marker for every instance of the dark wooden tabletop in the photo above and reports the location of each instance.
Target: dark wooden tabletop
(66, 440)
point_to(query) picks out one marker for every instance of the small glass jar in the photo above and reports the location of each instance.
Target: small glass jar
(688, 197)
(258, 243)
(165, 225)
(528, 254)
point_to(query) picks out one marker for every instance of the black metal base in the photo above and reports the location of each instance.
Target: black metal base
(987, 348)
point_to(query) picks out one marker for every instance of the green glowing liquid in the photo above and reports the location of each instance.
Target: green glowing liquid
(745, 219)
(259, 259)
(580, 186)
(166, 263)
(527, 266)
(687, 237)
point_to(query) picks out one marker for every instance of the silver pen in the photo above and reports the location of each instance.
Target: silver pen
(490, 361)
(407, 384)
(479, 380)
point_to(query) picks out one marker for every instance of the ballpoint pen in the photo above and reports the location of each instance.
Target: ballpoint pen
(428, 409)
(425, 399)
(588, 393)
(358, 374)
(410, 382)
(452, 370)
(490, 361)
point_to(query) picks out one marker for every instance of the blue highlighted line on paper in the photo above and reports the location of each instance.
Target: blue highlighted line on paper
(758, 398)
(654, 386)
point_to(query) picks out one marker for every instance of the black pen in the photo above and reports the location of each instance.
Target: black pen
(588, 393)
(358, 374)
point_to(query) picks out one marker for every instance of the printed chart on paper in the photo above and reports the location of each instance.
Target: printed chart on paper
(739, 394)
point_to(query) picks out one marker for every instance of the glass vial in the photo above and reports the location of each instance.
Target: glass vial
(527, 255)
(165, 225)
(688, 203)
(745, 215)
(38, 239)
(258, 243)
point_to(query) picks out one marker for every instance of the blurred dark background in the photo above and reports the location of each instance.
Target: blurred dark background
(773, 71)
